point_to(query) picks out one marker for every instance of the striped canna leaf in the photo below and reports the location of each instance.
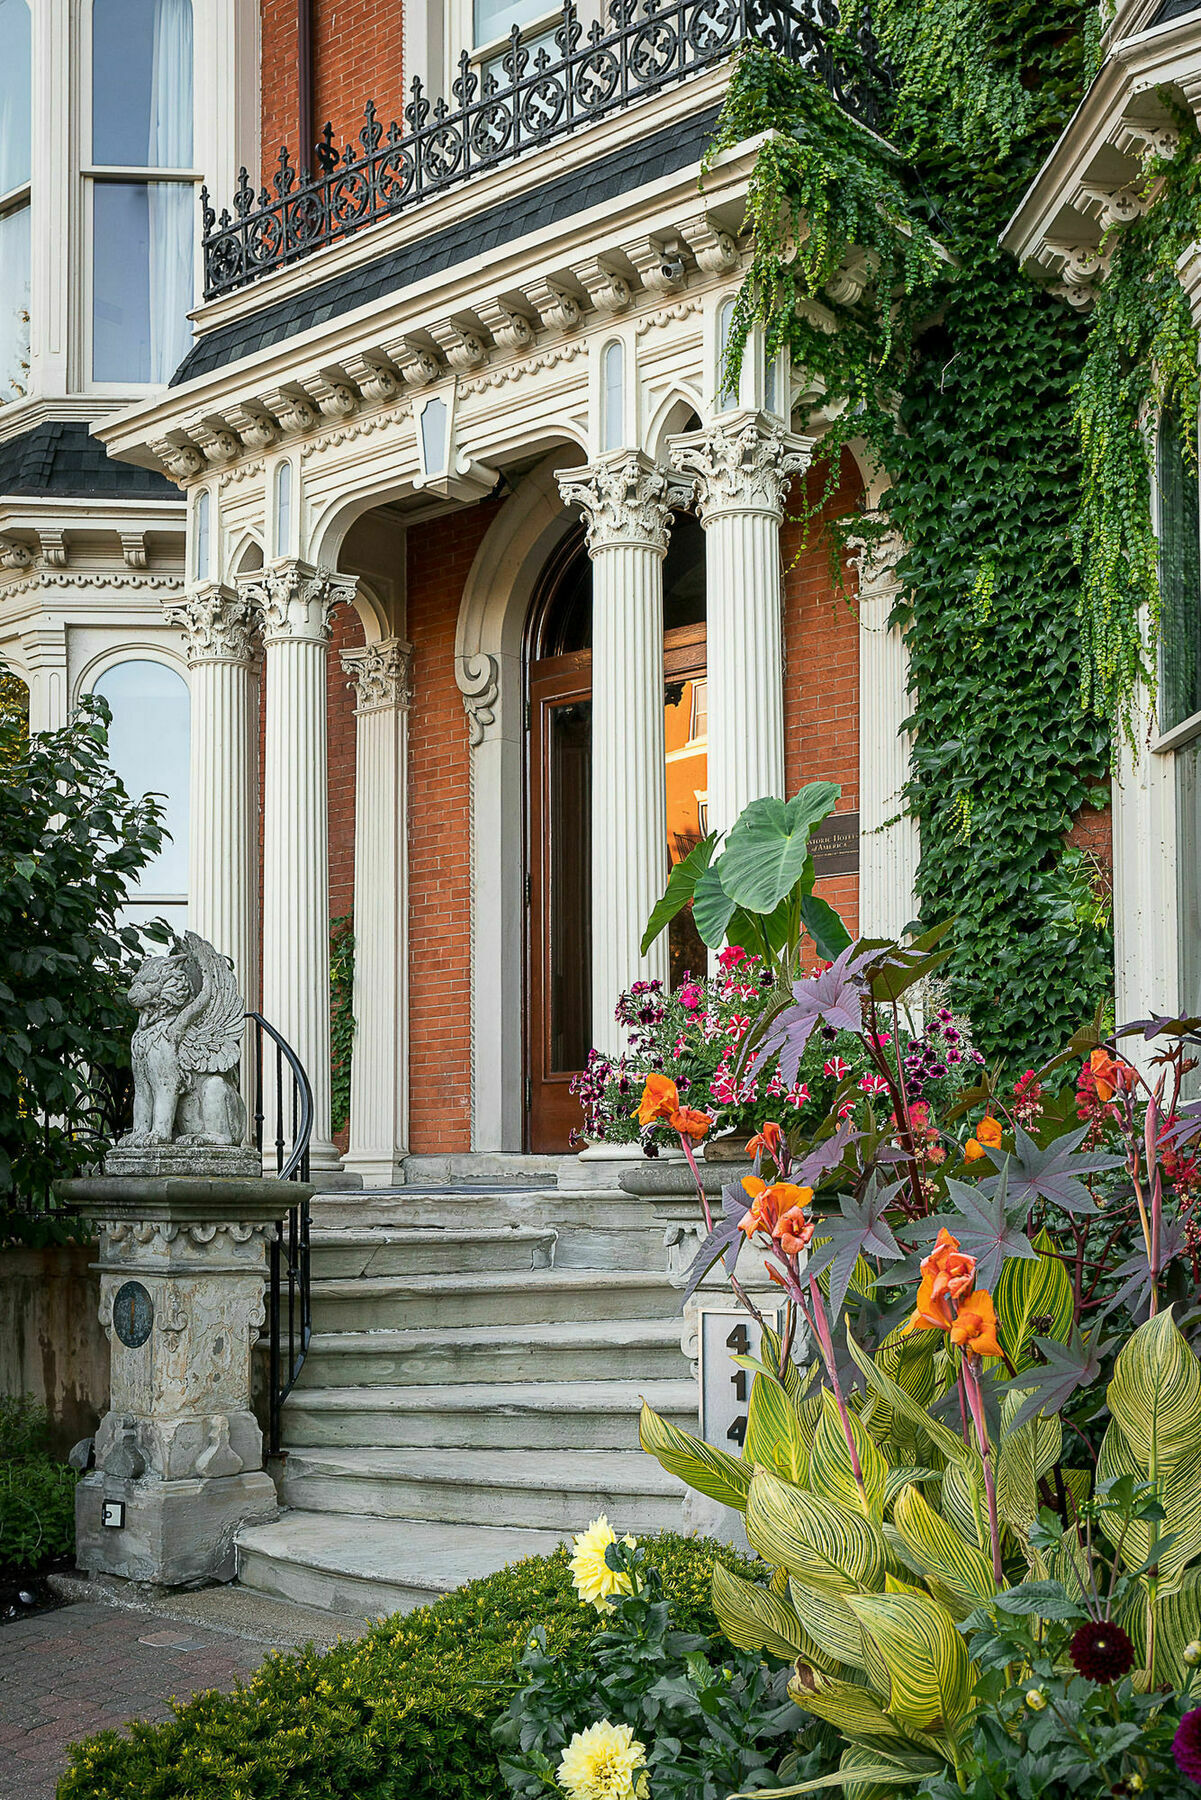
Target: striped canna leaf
(819, 1542)
(755, 1618)
(1155, 1395)
(1024, 1456)
(940, 1552)
(917, 1659)
(853, 1710)
(828, 1619)
(775, 1438)
(699, 1465)
(1178, 1491)
(830, 1471)
(1033, 1299)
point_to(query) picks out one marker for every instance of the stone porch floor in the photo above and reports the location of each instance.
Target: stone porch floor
(92, 1665)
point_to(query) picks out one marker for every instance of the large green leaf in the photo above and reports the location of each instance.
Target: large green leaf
(1177, 1624)
(1155, 1395)
(681, 885)
(863, 1775)
(917, 1659)
(774, 1437)
(1033, 1299)
(944, 1439)
(709, 1471)
(830, 1471)
(755, 1618)
(765, 852)
(820, 1543)
(1178, 1490)
(712, 908)
(940, 1552)
(824, 926)
(1025, 1453)
(853, 1710)
(829, 1621)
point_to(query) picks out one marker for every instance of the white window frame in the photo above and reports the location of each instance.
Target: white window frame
(92, 173)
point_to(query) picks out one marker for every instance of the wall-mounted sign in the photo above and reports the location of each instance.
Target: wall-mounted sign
(112, 1514)
(722, 1334)
(133, 1314)
(834, 844)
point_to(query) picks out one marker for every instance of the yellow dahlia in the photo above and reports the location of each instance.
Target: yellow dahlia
(594, 1579)
(604, 1763)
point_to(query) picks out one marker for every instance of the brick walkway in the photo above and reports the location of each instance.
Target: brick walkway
(67, 1674)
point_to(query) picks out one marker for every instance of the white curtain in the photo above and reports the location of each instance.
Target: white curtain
(172, 205)
(14, 94)
(14, 304)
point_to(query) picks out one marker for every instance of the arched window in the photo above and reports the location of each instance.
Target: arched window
(203, 536)
(149, 747)
(15, 163)
(283, 508)
(728, 397)
(613, 397)
(1179, 575)
(142, 229)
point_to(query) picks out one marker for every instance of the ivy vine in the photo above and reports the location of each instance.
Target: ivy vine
(341, 1017)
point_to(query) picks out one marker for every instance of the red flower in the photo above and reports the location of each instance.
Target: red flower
(1101, 1651)
(731, 956)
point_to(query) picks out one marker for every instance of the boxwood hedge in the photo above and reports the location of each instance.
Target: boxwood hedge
(404, 1711)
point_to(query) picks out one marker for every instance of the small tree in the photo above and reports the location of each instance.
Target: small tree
(71, 841)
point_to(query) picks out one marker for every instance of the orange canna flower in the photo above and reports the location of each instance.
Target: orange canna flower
(794, 1231)
(660, 1098)
(689, 1122)
(973, 1150)
(778, 1212)
(988, 1131)
(975, 1326)
(1109, 1073)
(769, 1139)
(946, 1275)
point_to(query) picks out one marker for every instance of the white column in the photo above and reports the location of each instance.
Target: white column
(742, 468)
(218, 626)
(379, 1084)
(295, 603)
(889, 843)
(626, 502)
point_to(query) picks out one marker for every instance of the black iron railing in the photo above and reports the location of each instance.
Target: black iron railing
(283, 1125)
(645, 45)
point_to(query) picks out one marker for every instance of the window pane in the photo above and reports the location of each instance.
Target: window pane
(142, 83)
(1188, 879)
(570, 921)
(684, 703)
(14, 314)
(142, 279)
(148, 747)
(1179, 578)
(614, 396)
(14, 94)
(495, 18)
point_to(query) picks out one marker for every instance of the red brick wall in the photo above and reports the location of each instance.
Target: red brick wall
(440, 554)
(357, 50)
(821, 673)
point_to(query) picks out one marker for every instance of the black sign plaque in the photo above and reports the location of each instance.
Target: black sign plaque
(133, 1314)
(834, 845)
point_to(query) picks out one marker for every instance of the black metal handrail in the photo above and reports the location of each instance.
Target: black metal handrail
(289, 1292)
(644, 46)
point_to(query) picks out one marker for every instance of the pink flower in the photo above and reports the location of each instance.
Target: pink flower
(690, 995)
(879, 1039)
(731, 956)
(873, 1084)
(681, 1045)
(775, 1086)
(711, 1027)
(846, 1109)
(836, 1068)
(736, 1025)
(798, 1095)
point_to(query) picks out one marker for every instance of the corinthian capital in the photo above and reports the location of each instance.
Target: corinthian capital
(743, 464)
(380, 674)
(875, 562)
(218, 625)
(625, 499)
(294, 601)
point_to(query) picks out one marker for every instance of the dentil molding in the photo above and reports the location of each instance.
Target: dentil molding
(625, 499)
(381, 675)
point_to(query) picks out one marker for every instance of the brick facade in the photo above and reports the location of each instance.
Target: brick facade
(358, 55)
(821, 673)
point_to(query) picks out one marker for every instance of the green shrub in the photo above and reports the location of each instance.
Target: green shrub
(37, 1495)
(404, 1713)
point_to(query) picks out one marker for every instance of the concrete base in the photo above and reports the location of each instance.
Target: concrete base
(176, 1533)
(219, 1162)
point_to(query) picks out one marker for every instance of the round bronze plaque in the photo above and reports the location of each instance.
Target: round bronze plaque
(133, 1314)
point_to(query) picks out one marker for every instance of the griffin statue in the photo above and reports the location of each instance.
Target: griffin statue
(186, 1049)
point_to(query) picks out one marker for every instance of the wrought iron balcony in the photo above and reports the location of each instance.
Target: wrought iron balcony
(646, 45)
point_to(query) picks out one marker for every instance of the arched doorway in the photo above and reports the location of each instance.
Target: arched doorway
(558, 662)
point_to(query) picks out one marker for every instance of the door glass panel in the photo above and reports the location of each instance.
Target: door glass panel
(570, 909)
(685, 730)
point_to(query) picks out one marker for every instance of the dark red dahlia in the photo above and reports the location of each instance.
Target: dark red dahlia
(1186, 1745)
(1101, 1651)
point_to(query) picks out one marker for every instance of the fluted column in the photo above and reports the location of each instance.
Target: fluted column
(44, 649)
(888, 836)
(742, 468)
(626, 503)
(218, 626)
(379, 1098)
(294, 603)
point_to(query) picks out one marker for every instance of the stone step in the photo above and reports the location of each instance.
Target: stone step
(581, 1217)
(566, 1350)
(528, 1489)
(509, 1297)
(369, 1566)
(562, 1415)
(366, 1250)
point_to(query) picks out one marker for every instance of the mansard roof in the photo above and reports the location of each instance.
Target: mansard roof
(634, 165)
(61, 457)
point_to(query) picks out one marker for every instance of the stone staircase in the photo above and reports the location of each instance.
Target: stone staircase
(471, 1393)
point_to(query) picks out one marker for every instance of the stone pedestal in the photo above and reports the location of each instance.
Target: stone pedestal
(179, 1454)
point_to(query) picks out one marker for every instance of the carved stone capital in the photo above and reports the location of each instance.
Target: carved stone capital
(295, 601)
(627, 499)
(381, 675)
(875, 562)
(479, 683)
(218, 624)
(742, 465)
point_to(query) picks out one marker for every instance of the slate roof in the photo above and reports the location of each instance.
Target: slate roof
(62, 459)
(666, 151)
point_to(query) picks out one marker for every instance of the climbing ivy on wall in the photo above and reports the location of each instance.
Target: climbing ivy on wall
(971, 388)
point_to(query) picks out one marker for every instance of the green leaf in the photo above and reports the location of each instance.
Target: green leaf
(765, 852)
(940, 1552)
(709, 1471)
(917, 1659)
(830, 1471)
(755, 1618)
(681, 885)
(941, 1436)
(712, 908)
(774, 1438)
(1025, 1454)
(1033, 1299)
(812, 1538)
(1178, 1490)
(1155, 1394)
(824, 926)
